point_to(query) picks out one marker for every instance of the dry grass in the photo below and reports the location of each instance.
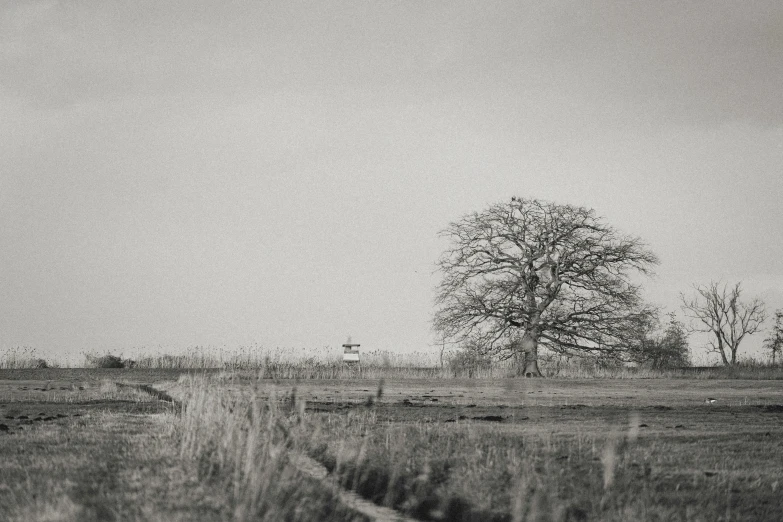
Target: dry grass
(433, 449)
(478, 470)
(102, 466)
(323, 364)
(23, 357)
(242, 450)
(555, 462)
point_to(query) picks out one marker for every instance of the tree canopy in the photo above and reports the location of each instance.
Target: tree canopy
(668, 349)
(528, 272)
(774, 342)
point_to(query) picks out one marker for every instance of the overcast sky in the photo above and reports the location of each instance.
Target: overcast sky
(225, 173)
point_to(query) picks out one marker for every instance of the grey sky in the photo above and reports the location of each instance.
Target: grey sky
(215, 173)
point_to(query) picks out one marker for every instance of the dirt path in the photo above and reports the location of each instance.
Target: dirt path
(314, 469)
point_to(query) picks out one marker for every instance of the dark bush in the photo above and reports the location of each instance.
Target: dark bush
(105, 361)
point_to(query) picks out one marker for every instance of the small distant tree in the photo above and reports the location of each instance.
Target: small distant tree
(676, 351)
(666, 350)
(527, 272)
(717, 310)
(774, 343)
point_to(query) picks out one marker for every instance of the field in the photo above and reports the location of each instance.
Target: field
(176, 444)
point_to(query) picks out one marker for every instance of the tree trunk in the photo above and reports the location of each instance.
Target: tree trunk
(722, 351)
(519, 360)
(530, 351)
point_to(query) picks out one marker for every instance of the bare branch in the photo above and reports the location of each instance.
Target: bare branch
(718, 310)
(552, 273)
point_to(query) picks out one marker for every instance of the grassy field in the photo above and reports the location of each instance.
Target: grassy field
(174, 444)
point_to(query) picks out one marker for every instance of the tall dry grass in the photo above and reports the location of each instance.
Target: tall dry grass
(23, 357)
(244, 447)
(456, 471)
(323, 363)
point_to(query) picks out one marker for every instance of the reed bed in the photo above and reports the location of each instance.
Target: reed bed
(322, 363)
(23, 357)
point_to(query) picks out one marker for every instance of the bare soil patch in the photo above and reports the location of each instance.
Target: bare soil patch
(573, 393)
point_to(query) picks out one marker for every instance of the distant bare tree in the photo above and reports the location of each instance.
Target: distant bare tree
(774, 343)
(718, 311)
(529, 272)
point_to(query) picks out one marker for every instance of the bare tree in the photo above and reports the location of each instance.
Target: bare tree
(774, 343)
(717, 310)
(529, 272)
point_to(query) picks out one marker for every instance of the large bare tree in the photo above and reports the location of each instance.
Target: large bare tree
(717, 310)
(528, 273)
